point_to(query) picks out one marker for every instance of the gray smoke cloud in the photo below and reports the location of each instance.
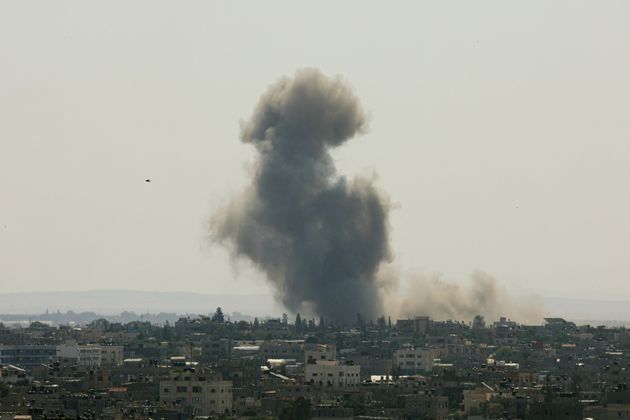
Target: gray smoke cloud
(442, 300)
(319, 237)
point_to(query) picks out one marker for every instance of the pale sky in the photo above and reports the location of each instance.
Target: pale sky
(501, 131)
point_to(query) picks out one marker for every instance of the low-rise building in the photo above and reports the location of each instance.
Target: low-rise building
(282, 349)
(12, 374)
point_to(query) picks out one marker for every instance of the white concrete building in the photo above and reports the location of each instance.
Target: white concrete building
(410, 360)
(332, 373)
(82, 355)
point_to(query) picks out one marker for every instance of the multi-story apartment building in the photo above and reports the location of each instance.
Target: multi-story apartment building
(195, 392)
(27, 355)
(82, 355)
(112, 355)
(332, 373)
(410, 360)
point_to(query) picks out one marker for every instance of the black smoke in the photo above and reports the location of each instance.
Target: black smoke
(319, 237)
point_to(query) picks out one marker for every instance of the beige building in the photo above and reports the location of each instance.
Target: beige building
(112, 355)
(194, 392)
(474, 399)
(332, 373)
(320, 352)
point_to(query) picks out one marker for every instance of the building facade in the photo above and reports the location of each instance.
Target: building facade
(411, 360)
(196, 393)
(27, 355)
(82, 355)
(332, 373)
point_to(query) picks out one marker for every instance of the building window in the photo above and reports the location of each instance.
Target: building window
(196, 389)
(182, 389)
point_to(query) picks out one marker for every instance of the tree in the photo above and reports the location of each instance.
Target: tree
(167, 332)
(218, 316)
(4, 390)
(360, 322)
(298, 323)
(99, 324)
(300, 409)
(381, 322)
(479, 322)
(503, 353)
(256, 323)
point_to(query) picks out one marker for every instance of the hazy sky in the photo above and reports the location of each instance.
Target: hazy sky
(501, 131)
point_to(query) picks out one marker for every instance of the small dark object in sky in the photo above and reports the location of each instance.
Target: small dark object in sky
(147, 180)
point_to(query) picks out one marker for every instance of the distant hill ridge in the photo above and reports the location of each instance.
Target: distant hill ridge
(116, 301)
(111, 302)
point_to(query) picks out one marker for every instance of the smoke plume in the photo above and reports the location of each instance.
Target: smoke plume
(319, 237)
(444, 300)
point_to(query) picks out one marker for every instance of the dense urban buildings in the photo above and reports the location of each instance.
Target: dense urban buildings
(211, 367)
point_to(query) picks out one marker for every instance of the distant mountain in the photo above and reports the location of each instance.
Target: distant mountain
(109, 302)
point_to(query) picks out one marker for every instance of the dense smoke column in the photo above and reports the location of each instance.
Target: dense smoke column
(319, 237)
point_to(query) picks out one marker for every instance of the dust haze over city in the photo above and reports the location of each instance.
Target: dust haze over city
(421, 159)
